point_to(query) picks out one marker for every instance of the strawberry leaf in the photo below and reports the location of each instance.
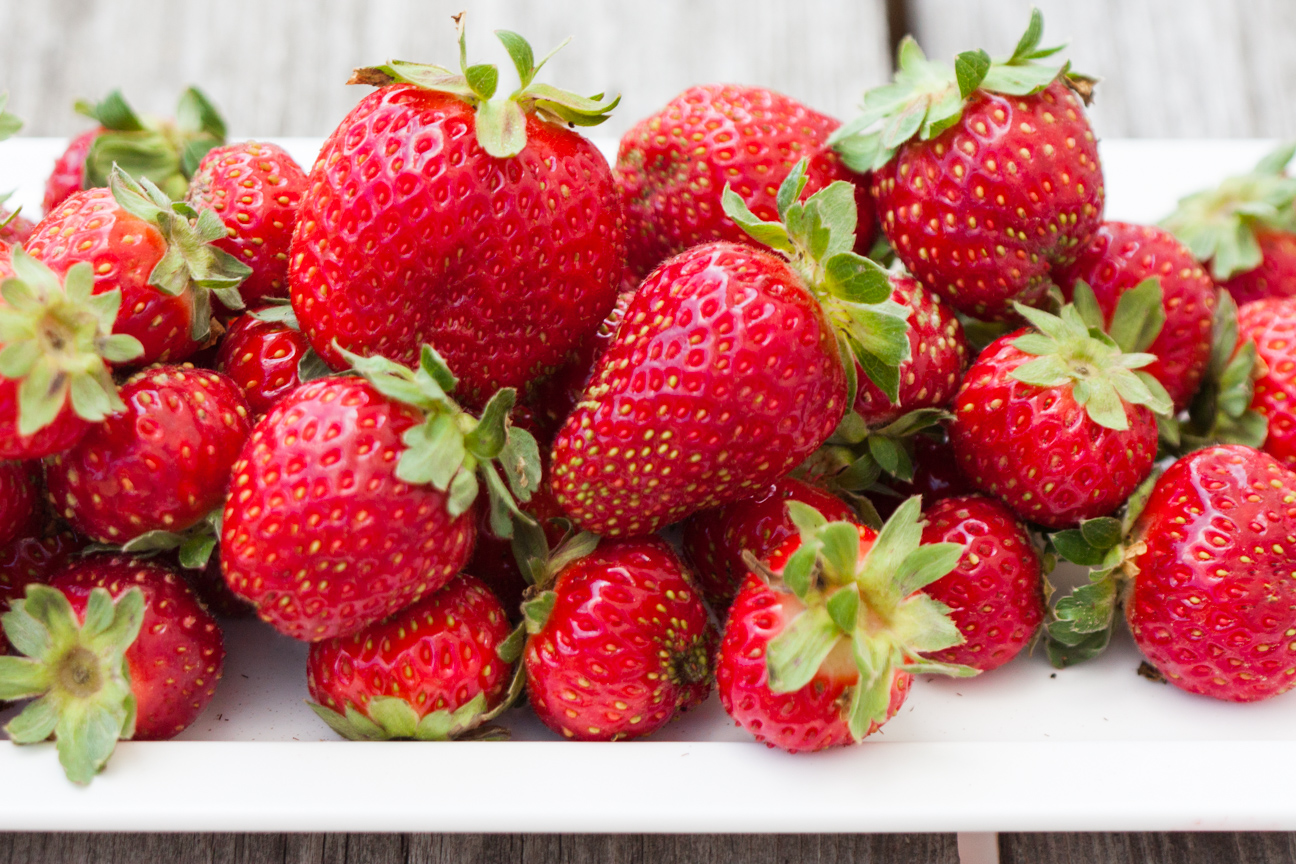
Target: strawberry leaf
(794, 656)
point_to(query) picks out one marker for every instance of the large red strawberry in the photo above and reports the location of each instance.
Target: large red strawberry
(353, 498)
(431, 672)
(1245, 229)
(163, 464)
(167, 152)
(262, 353)
(256, 189)
(1270, 324)
(986, 175)
(1115, 265)
(157, 253)
(619, 644)
(672, 166)
(727, 371)
(1057, 423)
(115, 648)
(826, 634)
(430, 166)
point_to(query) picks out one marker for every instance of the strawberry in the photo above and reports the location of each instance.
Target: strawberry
(1115, 264)
(430, 165)
(208, 583)
(619, 644)
(158, 254)
(714, 540)
(163, 464)
(1270, 324)
(262, 352)
(22, 512)
(166, 152)
(494, 559)
(256, 189)
(672, 166)
(1055, 422)
(115, 648)
(34, 557)
(936, 476)
(58, 342)
(726, 372)
(995, 595)
(353, 497)
(432, 671)
(985, 175)
(1245, 229)
(827, 632)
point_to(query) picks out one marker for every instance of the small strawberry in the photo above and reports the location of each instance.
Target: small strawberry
(431, 165)
(263, 352)
(163, 464)
(826, 634)
(115, 648)
(672, 166)
(714, 540)
(1116, 265)
(256, 189)
(1245, 229)
(619, 644)
(1056, 423)
(353, 497)
(68, 176)
(985, 175)
(432, 671)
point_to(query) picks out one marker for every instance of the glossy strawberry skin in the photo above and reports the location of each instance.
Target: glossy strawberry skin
(177, 659)
(163, 464)
(1037, 450)
(319, 534)
(256, 189)
(436, 655)
(34, 557)
(1271, 324)
(715, 539)
(1120, 256)
(401, 189)
(1275, 276)
(1212, 604)
(123, 249)
(980, 213)
(68, 176)
(627, 646)
(995, 594)
(61, 434)
(723, 377)
(938, 354)
(261, 357)
(672, 168)
(15, 229)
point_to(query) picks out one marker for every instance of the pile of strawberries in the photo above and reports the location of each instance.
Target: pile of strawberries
(795, 409)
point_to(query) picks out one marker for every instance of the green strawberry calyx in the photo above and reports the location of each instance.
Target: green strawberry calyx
(927, 97)
(870, 603)
(58, 343)
(1220, 225)
(817, 238)
(1071, 350)
(501, 122)
(1221, 411)
(452, 447)
(10, 124)
(165, 152)
(193, 546)
(542, 570)
(75, 672)
(191, 262)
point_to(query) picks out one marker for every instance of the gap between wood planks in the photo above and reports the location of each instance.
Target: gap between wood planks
(977, 847)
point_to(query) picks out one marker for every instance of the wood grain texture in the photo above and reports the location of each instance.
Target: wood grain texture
(1170, 68)
(277, 68)
(1198, 848)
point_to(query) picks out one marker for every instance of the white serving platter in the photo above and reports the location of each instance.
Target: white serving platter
(1093, 748)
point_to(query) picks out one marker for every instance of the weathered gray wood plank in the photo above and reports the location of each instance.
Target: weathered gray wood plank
(1186, 848)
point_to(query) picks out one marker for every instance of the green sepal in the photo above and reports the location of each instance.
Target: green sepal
(1221, 409)
(391, 718)
(312, 367)
(796, 653)
(194, 546)
(535, 612)
(278, 313)
(1081, 623)
(501, 128)
(1139, 316)
(510, 650)
(10, 125)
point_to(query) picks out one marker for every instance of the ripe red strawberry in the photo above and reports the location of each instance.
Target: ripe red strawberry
(995, 595)
(161, 465)
(68, 176)
(672, 166)
(353, 498)
(427, 167)
(22, 512)
(256, 189)
(1245, 229)
(715, 539)
(825, 635)
(116, 648)
(34, 557)
(620, 643)
(983, 190)
(154, 252)
(432, 671)
(1119, 259)
(1055, 423)
(1270, 323)
(14, 227)
(262, 357)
